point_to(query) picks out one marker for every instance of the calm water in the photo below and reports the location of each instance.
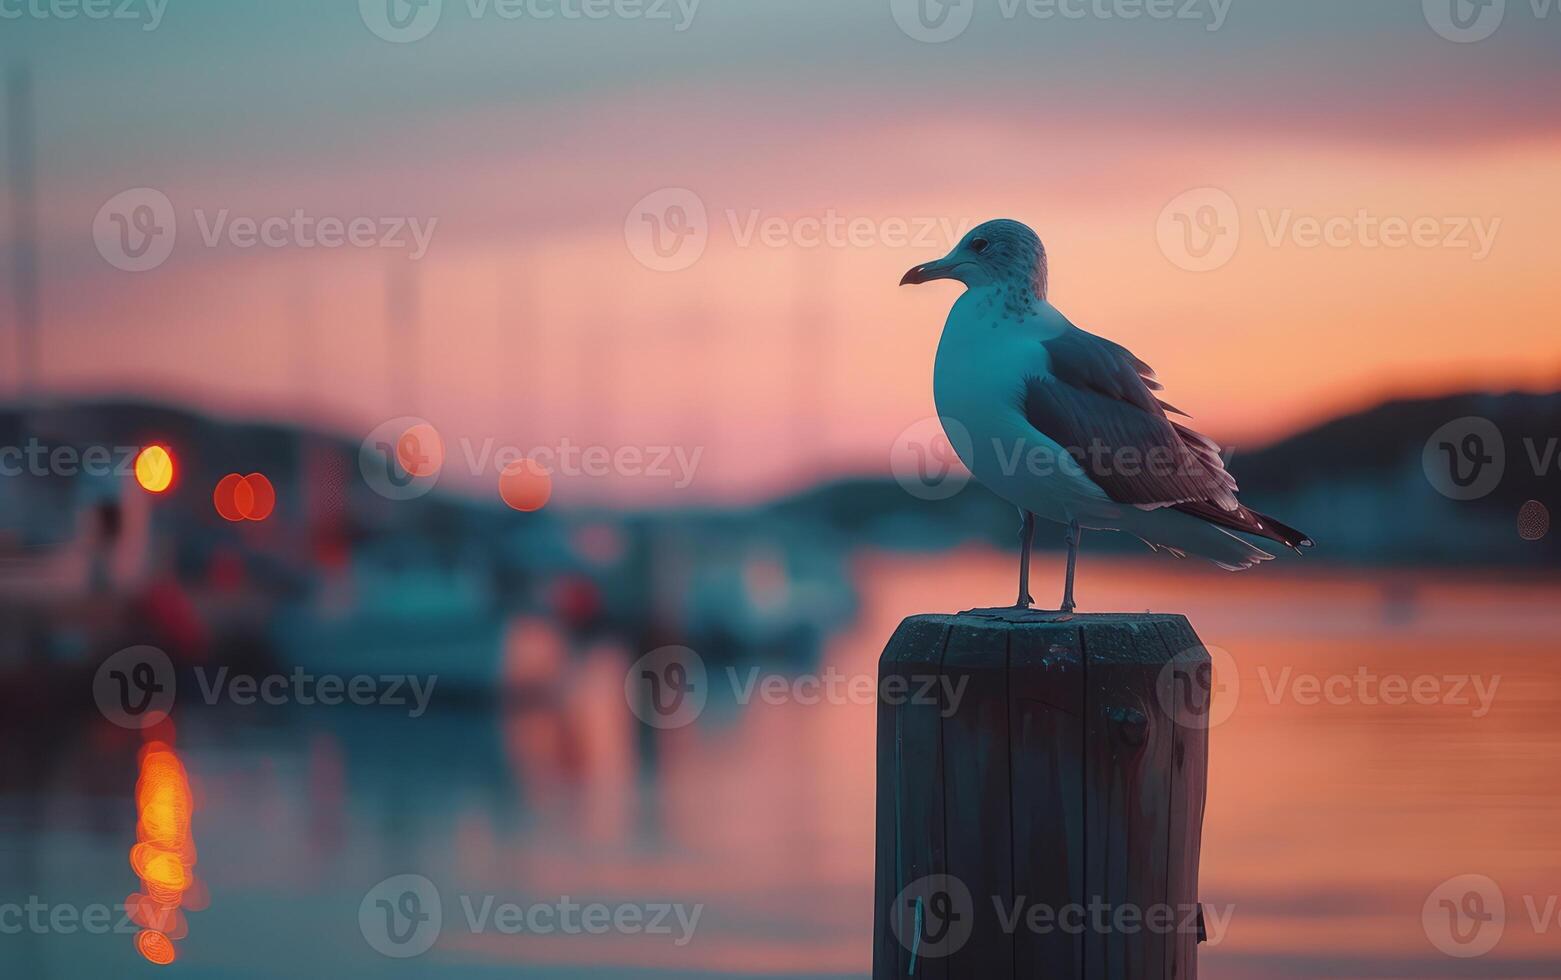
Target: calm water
(1330, 821)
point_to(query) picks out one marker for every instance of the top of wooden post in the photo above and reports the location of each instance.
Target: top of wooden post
(1143, 638)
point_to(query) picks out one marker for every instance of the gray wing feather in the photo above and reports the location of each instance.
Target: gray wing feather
(1099, 405)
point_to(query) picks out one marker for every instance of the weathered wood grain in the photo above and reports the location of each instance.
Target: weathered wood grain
(1058, 779)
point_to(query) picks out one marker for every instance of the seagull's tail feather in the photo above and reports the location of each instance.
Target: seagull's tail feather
(1175, 531)
(1248, 521)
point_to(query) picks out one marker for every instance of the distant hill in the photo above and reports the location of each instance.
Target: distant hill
(1355, 483)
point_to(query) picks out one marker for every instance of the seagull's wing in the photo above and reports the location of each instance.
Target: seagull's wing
(1098, 403)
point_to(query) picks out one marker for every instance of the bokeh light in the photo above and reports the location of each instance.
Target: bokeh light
(163, 856)
(156, 947)
(244, 498)
(525, 485)
(154, 469)
(1533, 520)
(420, 451)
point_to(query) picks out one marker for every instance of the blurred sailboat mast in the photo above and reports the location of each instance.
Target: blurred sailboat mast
(24, 226)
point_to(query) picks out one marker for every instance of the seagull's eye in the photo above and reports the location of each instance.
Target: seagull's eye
(979, 245)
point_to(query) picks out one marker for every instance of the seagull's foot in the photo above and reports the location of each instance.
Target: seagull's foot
(1026, 601)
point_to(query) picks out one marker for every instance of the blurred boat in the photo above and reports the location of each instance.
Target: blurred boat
(397, 617)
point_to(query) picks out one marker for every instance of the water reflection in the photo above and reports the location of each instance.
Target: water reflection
(164, 854)
(1326, 818)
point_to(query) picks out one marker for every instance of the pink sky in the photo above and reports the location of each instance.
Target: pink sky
(538, 324)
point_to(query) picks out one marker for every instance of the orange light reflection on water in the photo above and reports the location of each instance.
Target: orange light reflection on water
(163, 856)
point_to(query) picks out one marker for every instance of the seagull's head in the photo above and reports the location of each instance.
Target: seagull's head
(997, 253)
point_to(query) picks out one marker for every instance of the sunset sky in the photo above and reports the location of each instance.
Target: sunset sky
(526, 147)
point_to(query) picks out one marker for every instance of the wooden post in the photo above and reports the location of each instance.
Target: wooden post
(1040, 800)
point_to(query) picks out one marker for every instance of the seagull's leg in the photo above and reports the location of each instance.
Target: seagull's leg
(1075, 535)
(1026, 535)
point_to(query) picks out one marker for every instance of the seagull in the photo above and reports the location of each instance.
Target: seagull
(1067, 426)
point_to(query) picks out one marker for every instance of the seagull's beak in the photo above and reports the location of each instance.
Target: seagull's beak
(941, 269)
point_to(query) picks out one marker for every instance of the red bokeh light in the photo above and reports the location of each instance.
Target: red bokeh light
(244, 498)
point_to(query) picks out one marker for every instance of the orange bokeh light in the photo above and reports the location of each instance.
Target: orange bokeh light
(154, 469)
(156, 947)
(420, 451)
(163, 856)
(244, 498)
(525, 485)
